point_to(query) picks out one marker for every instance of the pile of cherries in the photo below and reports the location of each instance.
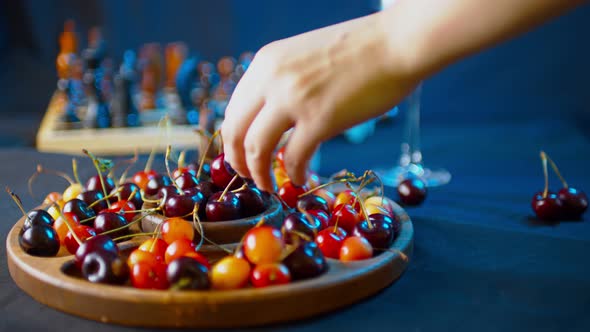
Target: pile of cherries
(89, 220)
(568, 204)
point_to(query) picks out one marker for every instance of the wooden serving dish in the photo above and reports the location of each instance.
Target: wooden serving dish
(52, 282)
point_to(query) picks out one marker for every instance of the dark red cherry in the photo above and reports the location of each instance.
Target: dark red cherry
(322, 216)
(575, 202)
(186, 180)
(298, 222)
(94, 183)
(251, 201)
(37, 217)
(207, 188)
(205, 171)
(222, 173)
(312, 202)
(126, 189)
(412, 191)
(187, 273)
(549, 208)
(39, 240)
(167, 191)
(198, 198)
(156, 183)
(91, 196)
(107, 221)
(181, 170)
(98, 243)
(306, 261)
(380, 235)
(79, 208)
(183, 205)
(538, 196)
(105, 267)
(228, 208)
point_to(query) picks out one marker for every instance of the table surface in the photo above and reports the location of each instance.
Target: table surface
(480, 261)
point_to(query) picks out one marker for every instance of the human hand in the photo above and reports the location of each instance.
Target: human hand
(321, 83)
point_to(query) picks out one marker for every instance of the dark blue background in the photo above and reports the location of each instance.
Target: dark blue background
(480, 263)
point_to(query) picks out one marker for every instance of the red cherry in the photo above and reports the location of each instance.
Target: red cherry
(330, 241)
(290, 193)
(123, 207)
(141, 178)
(265, 275)
(222, 173)
(346, 217)
(355, 248)
(146, 276)
(83, 233)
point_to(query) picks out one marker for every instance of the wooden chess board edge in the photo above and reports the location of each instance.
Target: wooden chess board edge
(110, 141)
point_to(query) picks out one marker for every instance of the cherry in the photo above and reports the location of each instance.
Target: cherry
(289, 193)
(222, 173)
(345, 216)
(125, 194)
(187, 273)
(322, 216)
(94, 183)
(52, 197)
(575, 202)
(355, 248)
(327, 195)
(177, 228)
(199, 258)
(330, 241)
(155, 246)
(251, 201)
(548, 208)
(380, 202)
(270, 274)
(140, 256)
(230, 273)
(98, 243)
(107, 221)
(263, 244)
(280, 157)
(182, 205)
(94, 199)
(207, 188)
(349, 197)
(186, 180)
(146, 276)
(156, 183)
(183, 170)
(105, 267)
(223, 208)
(79, 208)
(300, 223)
(37, 217)
(199, 199)
(167, 191)
(312, 202)
(142, 178)
(412, 191)
(82, 232)
(39, 240)
(379, 232)
(306, 261)
(205, 170)
(61, 226)
(124, 208)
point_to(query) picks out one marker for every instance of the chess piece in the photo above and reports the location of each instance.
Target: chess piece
(175, 56)
(148, 88)
(185, 84)
(74, 91)
(68, 44)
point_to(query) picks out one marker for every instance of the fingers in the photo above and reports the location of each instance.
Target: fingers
(300, 148)
(243, 107)
(262, 138)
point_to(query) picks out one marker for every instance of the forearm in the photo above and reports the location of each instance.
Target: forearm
(431, 34)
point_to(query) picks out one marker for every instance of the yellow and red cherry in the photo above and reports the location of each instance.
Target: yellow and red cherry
(330, 241)
(263, 244)
(412, 191)
(61, 227)
(376, 209)
(223, 207)
(95, 244)
(230, 273)
(306, 261)
(379, 231)
(146, 276)
(155, 246)
(106, 221)
(140, 256)
(355, 248)
(142, 178)
(82, 232)
(349, 197)
(312, 202)
(289, 193)
(177, 228)
(178, 248)
(52, 197)
(270, 274)
(188, 273)
(381, 202)
(281, 176)
(280, 157)
(345, 216)
(94, 183)
(72, 191)
(322, 216)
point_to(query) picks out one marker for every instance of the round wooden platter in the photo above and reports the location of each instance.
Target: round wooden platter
(51, 282)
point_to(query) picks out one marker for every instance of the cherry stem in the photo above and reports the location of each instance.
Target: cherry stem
(70, 228)
(17, 200)
(138, 211)
(41, 169)
(150, 161)
(157, 233)
(95, 163)
(323, 186)
(143, 198)
(220, 148)
(75, 170)
(243, 187)
(285, 205)
(167, 163)
(362, 204)
(403, 256)
(556, 170)
(132, 194)
(87, 219)
(227, 188)
(204, 153)
(544, 162)
(131, 162)
(105, 198)
(197, 221)
(181, 158)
